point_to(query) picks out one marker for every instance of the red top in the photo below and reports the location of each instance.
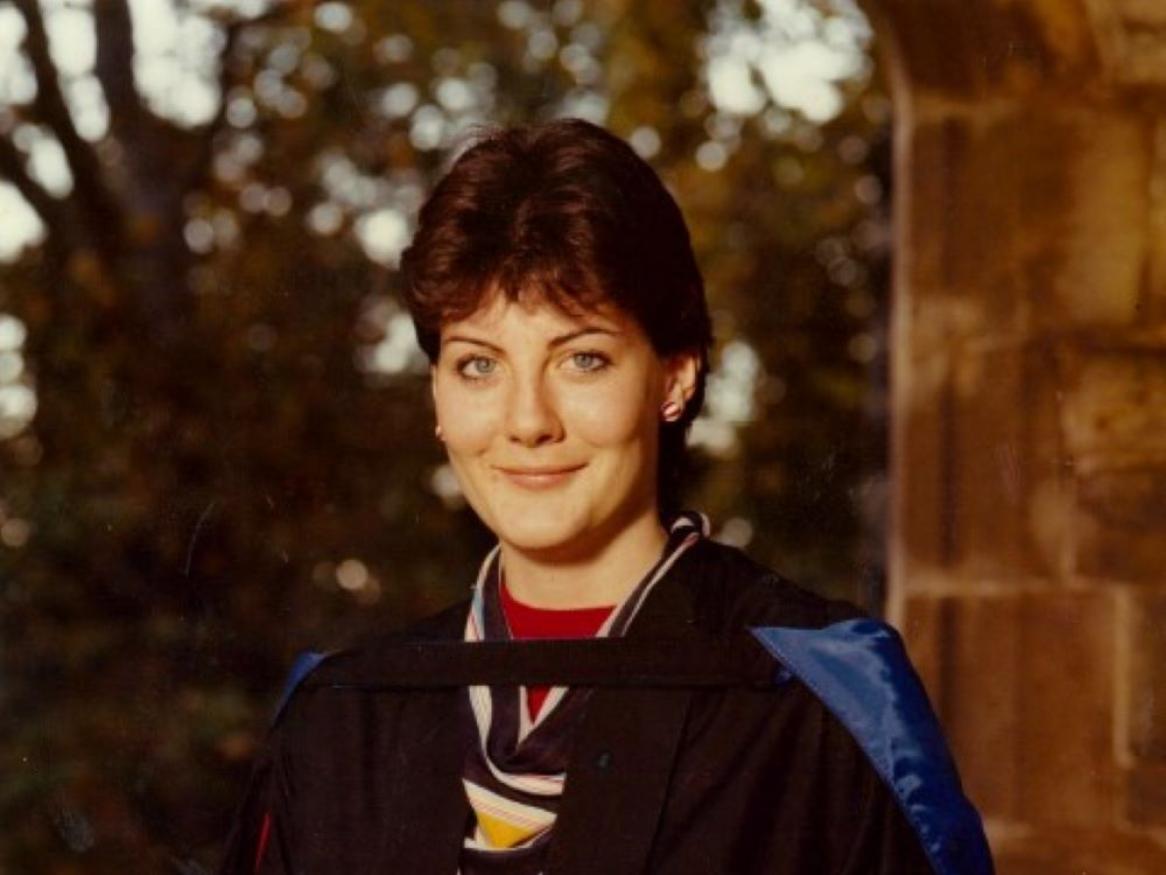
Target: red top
(530, 622)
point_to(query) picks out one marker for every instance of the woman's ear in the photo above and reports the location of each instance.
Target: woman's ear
(437, 431)
(680, 375)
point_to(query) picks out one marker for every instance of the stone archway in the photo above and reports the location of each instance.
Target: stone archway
(1028, 554)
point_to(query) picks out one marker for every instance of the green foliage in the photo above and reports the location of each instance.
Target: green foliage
(212, 456)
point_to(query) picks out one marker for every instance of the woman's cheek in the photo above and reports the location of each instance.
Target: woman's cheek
(468, 420)
(472, 433)
(606, 418)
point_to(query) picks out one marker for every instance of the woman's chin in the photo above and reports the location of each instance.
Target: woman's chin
(544, 537)
(550, 537)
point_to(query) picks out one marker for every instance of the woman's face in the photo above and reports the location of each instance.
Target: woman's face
(550, 421)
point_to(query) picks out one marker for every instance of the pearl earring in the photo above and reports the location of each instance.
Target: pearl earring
(438, 433)
(670, 411)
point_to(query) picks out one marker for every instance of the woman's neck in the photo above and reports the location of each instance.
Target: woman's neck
(599, 575)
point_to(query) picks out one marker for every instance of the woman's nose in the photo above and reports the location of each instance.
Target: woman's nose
(531, 417)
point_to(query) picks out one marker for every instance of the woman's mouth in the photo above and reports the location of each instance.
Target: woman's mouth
(541, 477)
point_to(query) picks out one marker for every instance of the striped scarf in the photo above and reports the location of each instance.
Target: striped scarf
(514, 777)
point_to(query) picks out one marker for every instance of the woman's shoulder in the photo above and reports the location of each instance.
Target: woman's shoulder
(320, 682)
(368, 654)
(730, 590)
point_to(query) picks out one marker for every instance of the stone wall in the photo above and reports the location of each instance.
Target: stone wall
(1028, 555)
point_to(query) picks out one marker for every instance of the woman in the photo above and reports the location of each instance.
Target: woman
(693, 712)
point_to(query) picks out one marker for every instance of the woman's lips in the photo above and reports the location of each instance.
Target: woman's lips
(539, 478)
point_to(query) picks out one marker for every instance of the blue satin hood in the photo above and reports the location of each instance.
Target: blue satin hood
(860, 671)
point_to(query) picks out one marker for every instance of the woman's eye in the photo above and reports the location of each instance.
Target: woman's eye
(589, 361)
(476, 366)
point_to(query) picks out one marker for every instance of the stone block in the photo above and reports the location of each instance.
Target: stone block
(1145, 694)
(1132, 39)
(1067, 773)
(1033, 218)
(928, 61)
(1116, 404)
(981, 477)
(1140, 12)
(937, 152)
(975, 49)
(1099, 244)
(1145, 796)
(921, 426)
(1060, 851)
(1154, 291)
(1007, 463)
(1119, 525)
(961, 219)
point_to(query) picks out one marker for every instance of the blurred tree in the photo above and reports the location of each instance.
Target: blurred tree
(214, 430)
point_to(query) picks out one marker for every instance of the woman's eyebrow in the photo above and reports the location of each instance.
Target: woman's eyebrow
(588, 329)
(477, 341)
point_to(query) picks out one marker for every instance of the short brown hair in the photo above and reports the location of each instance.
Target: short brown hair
(568, 212)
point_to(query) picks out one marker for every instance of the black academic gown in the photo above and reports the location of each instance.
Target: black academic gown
(364, 777)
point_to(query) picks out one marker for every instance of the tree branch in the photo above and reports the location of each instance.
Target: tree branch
(114, 64)
(96, 201)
